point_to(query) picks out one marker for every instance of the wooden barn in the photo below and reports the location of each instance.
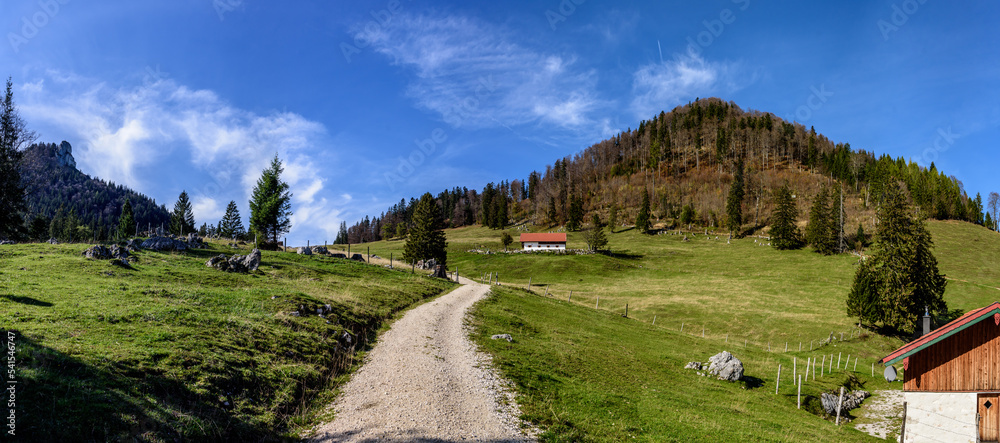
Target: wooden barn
(544, 242)
(951, 379)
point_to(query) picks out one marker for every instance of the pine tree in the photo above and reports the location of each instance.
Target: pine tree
(182, 218)
(734, 204)
(38, 228)
(818, 232)
(426, 240)
(13, 136)
(784, 234)
(687, 214)
(596, 240)
(342, 233)
(642, 218)
(271, 205)
(860, 239)
(613, 217)
(575, 214)
(126, 221)
(900, 279)
(552, 214)
(231, 225)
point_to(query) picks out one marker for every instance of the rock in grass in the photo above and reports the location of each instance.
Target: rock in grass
(358, 257)
(97, 252)
(164, 244)
(252, 260)
(236, 263)
(726, 367)
(503, 337)
(851, 401)
(693, 365)
(320, 250)
(305, 251)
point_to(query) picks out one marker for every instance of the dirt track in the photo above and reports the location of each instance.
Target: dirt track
(424, 381)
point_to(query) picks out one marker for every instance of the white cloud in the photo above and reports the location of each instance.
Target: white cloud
(161, 137)
(474, 75)
(661, 86)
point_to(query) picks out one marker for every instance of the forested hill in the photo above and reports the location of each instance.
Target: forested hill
(685, 160)
(60, 196)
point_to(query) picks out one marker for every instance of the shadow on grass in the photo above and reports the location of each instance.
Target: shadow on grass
(26, 300)
(624, 255)
(752, 382)
(62, 398)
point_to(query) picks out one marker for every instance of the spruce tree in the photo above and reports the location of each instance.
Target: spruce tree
(784, 234)
(182, 218)
(342, 233)
(596, 240)
(734, 204)
(613, 217)
(642, 218)
(271, 205)
(575, 214)
(426, 240)
(126, 221)
(12, 137)
(901, 278)
(552, 214)
(231, 225)
(818, 232)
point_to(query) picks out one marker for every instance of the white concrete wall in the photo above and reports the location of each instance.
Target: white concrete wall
(935, 416)
(534, 246)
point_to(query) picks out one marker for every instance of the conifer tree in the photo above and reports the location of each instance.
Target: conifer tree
(613, 217)
(596, 240)
(271, 204)
(575, 214)
(784, 234)
(13, 137)
(734, 204)
(342, 233)
(126, 221)
(818, 231)
(426, 240)
(642, 218)
(552, 214)
(182, 218)
(231, 225)
(900, 279)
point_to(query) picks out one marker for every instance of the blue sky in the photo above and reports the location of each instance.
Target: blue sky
(374, 101)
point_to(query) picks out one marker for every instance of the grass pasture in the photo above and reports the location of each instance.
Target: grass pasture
(589, 374)
(171, 350)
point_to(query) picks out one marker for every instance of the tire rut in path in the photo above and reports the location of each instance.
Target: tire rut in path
(424, 381)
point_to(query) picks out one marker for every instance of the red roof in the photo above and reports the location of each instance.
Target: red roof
(970, 318)
(550, 237)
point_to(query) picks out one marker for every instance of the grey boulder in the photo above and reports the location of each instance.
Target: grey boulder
(305, 251)
(726, 367)
(503, 337)
(163, 244)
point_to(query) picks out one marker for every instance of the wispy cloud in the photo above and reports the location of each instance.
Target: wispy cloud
(663, 85)
(161, 137)
(475, 74)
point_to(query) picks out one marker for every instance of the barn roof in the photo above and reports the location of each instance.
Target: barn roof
(550, 237)
(953, 327)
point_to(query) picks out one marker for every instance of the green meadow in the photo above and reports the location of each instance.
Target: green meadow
(170, 350)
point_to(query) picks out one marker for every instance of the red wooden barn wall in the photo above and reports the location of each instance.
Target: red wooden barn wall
(966, 361)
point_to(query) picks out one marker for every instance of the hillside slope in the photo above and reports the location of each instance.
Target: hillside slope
(171, 350)
(589, 374)
(53, 184)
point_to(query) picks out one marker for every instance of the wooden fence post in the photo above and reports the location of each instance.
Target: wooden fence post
(800, 392)
(838, 360)
(570, 299)
(822, 368)
(529, 283)
(682, 326)
(795, 367)
(800, 346)
(654, 320)
(902, 431)
(840, 401)
(598, 304)
(777, 382)
(831, 364)
(786, 346)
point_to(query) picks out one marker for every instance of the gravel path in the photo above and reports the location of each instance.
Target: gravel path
(425, 381)
(882, 414)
